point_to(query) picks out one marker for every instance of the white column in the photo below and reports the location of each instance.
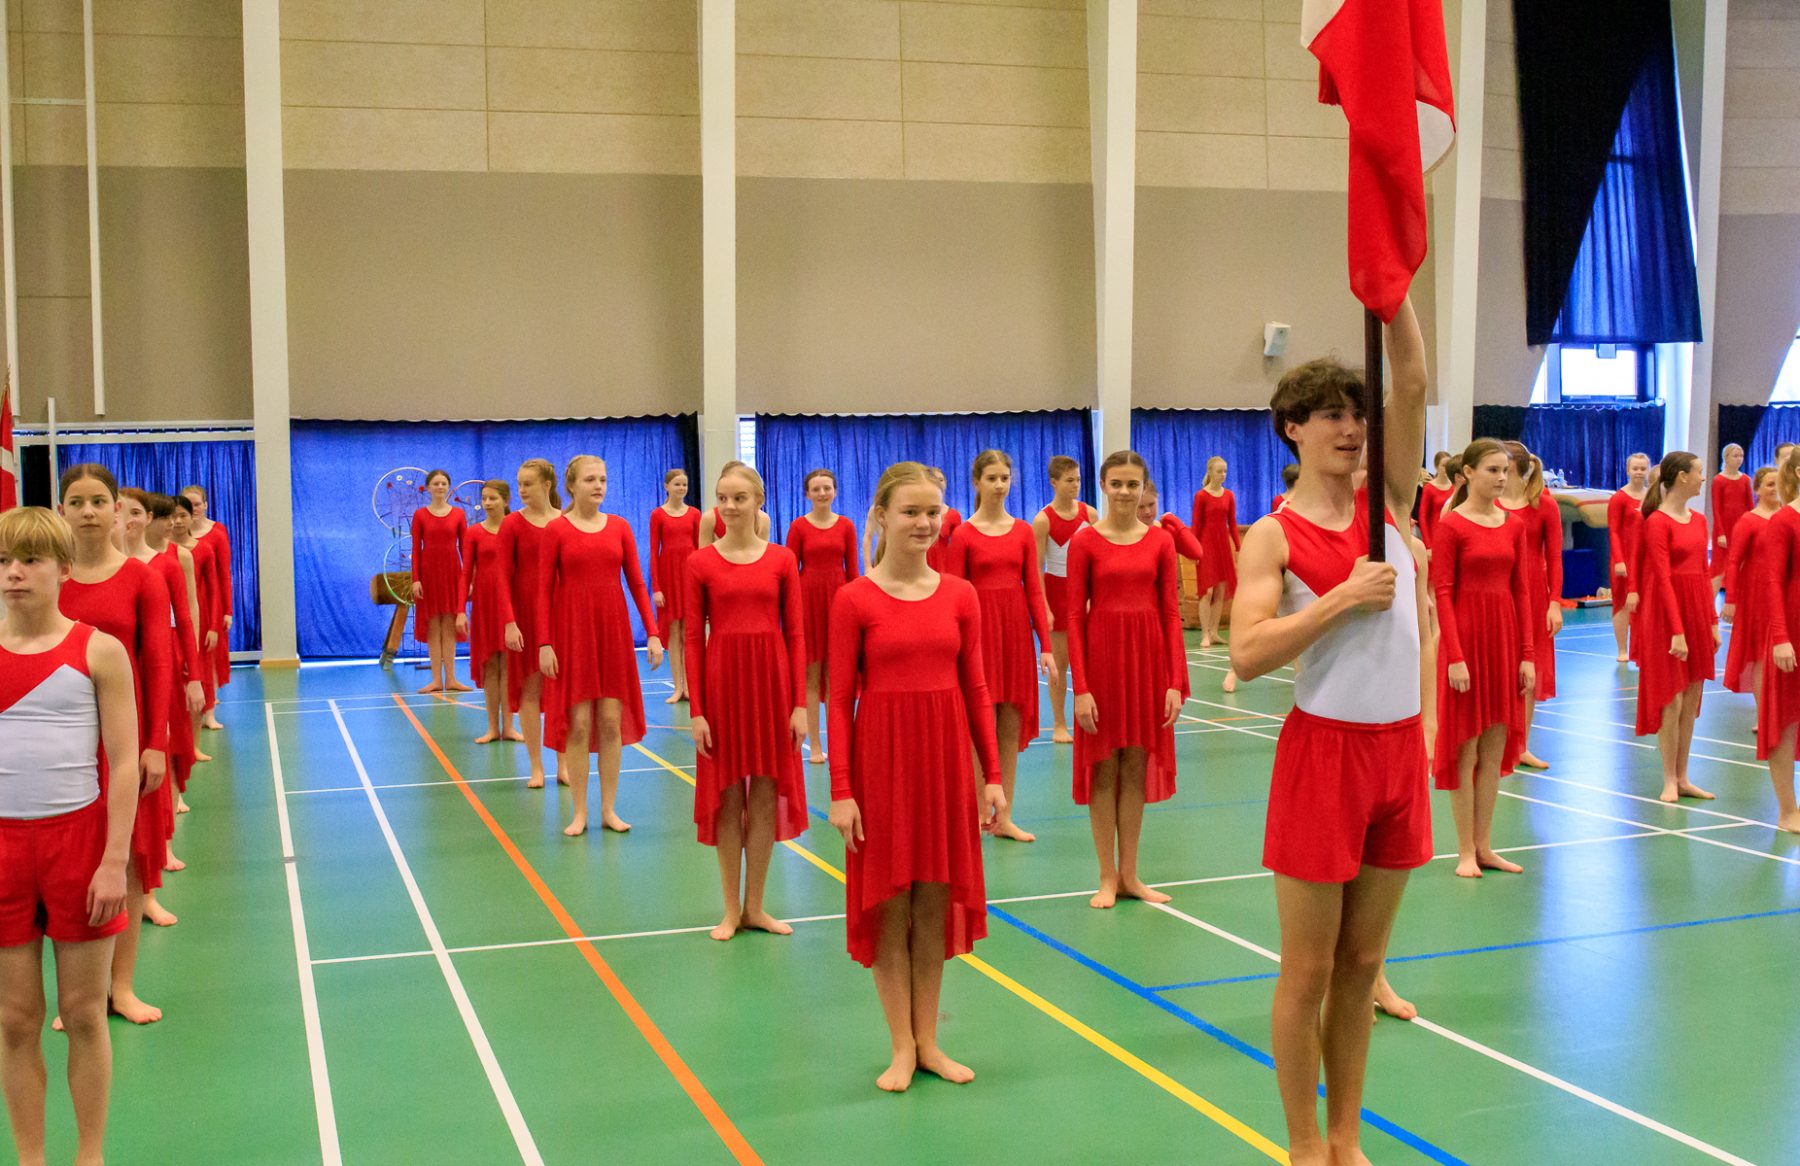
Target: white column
(1689, 421)
(93, 208)
(9, 276)
(1112, 105)
(269, 327)
(1456, 234)
(718, 238)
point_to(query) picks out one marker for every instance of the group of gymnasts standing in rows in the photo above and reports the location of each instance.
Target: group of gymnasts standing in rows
(113, 646)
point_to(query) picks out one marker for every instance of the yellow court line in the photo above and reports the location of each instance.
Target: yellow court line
(1099, 1040)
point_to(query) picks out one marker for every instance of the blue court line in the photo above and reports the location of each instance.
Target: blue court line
(1373, 1119)
(1438, 955)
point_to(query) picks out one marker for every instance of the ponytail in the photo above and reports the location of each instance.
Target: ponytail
(1787, 483)
(1673, 466)
(546, 474)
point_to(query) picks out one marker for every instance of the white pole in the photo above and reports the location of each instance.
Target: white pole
(1112, 102)
(55, 470)
(718, 238)
(6, 213)
(93, 189)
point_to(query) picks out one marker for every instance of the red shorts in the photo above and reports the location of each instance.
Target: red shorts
(1056, 598)
(46, 865)
(1346, 796)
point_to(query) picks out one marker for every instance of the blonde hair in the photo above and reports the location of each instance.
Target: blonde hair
(1788, 484)
(897, 475)
(1729, 448)
(749, 475)
(1212, 461)
(1529, 469)
(1477, 452)
(32, 532)
(546, 473)
(573, 469)
(986, 458)
(1673, 466)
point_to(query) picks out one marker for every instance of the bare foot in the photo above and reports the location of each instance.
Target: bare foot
(1142, 891)
(763, 921)
(1688, 789)
(1789, 823)
(131, 1008)
(181, 806)
(1532, 761)
(173, 864)
(816, 757)
(459, 686)
(1206, 642)
(1346, 1156)
(934, 1061)
(158, 914)
(1489, 860)
(1468, 868)
(899, 1073)
(1230, 684)
(431, 689)
(1011, 830)
(615, 823)
(1061, 736)
(1624, 659)
(535, 781)
(201, 758)
(514, 735)
(561, 779)
(1391, 1002)
(487, 738)
(1668, 793)
(674, 698)
(1105, 897)
(212, 725)
(1310, 1156)
(577, 827)
(727, 927)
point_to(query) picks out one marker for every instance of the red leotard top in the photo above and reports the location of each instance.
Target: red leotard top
(1056, 559)
(1215, 524)
(1675, 599)
(520, 567)
(1624, 527)
(1777, 567)
(212, 612)
(1010, 590)
(1544, 575)
(1186, 545)
(938, 557)
(50, 721)
(186, 660)
(1432, 499)
(672, 540)
(828, 559)
(132, 606)
(1750, 623)
(1732, 498)
(1484, 619)
(437, 563)
(482, 583)
(220, 538)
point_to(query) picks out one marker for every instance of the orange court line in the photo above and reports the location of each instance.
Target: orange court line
(684, 1076)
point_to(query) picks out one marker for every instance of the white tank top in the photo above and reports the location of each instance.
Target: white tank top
(50, 723)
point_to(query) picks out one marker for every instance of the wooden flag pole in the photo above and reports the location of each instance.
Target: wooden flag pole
(1375, 446)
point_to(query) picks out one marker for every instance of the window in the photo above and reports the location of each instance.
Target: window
(1787, 385)
(747, 439)
(1603, 373)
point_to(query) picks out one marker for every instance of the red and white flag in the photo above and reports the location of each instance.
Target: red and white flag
(1385, 63)
(9, 466)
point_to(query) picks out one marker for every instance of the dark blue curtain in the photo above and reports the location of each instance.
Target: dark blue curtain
(1738, 425)
(226, 470)
(1778, 423)
(339, 544)
(1589, 443)
(1500, 422)
(1176, 444)
(858, 449)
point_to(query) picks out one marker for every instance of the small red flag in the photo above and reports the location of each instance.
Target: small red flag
(9, 465)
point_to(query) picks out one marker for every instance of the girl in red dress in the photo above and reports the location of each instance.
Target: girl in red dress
(1732, 498)
(482, 582)
(1744, 610)
(674, 536)
(908, 697)
(1624, 527)
(825, 546)
(940, 550)
(1215, 524)
(215, 534)
(1434, 497)
(1186, 546)
(1484, 667)
(997, 554)
(1130, 669)
(187, 703)
(712, 523)
(520, 570)
(1675, 618)
(128, 601)
(1526, 499)
(746, 705)
(206, 594)
(1778, 703)
(592, 699)
(1054, 526)
(437, 572)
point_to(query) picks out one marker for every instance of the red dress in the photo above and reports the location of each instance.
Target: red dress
(828, 559)
(672, 540)
(437, 565)
(581, 613)
(132, 606)
(1543, 578)
(1484, 621)
(1750, 628)
(1125, 650)
(1277, 502)
(1778, 567)
(908, 696)
(482, 583)
(1624, 527)
(520, 565)
(220, 539)
(1056, 563)
(1003, 569)
(1432, 501)
(184, 666)
(1215, 522)
(1732, 498)
(746, 679)
(1675, 598)
(1186, 545)
(938, 557)
(212, 616)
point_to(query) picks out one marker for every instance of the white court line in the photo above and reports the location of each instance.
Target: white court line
(1241, 680)
(1493, 1054)
(341, 789)
(329, 1150)
(1629, 725)
(509, 1105)
(1642, 745)
(400, 955)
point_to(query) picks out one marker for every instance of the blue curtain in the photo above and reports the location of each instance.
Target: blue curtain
(858, 449)
(1176, 444)
(1777, 424)
(1500, 422)
(339, 544)
(226, 470)
(1589, 443)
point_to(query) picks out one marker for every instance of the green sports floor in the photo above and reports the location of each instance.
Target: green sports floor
(389, 954)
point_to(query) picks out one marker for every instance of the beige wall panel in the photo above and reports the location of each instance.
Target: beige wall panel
(1284, 57)
(1762, 9)
(15, 17)
(989, 35)
(1206, 48)
(923, 296)
(660, 26)
(171, 136)
(859, 29)
(1769, 190)
(1500, 20)
(1210, 9)
(963, 153)
(55, 135)
(172, 17)
(433, 296)
(1171, 103)
(846, 90)
(1502, 76)
(812, 148)
(1295, 112)
(593, 143)
(169, 69)
(1309, 163)
(996, 94)
(383, 139)
(1191, 160)
(1762, 142)
(371, 76)
(53, 65)
(50, 208)
(1758, 305)
(50, 15)
(1282, 11)
(56, 349)
(1505, 366)
(427, 22)
(15, 67)
(592, 81)
(1762, 92)
(1069, 5)
(1500, 125)
(1764, 44)
(1502, 174)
